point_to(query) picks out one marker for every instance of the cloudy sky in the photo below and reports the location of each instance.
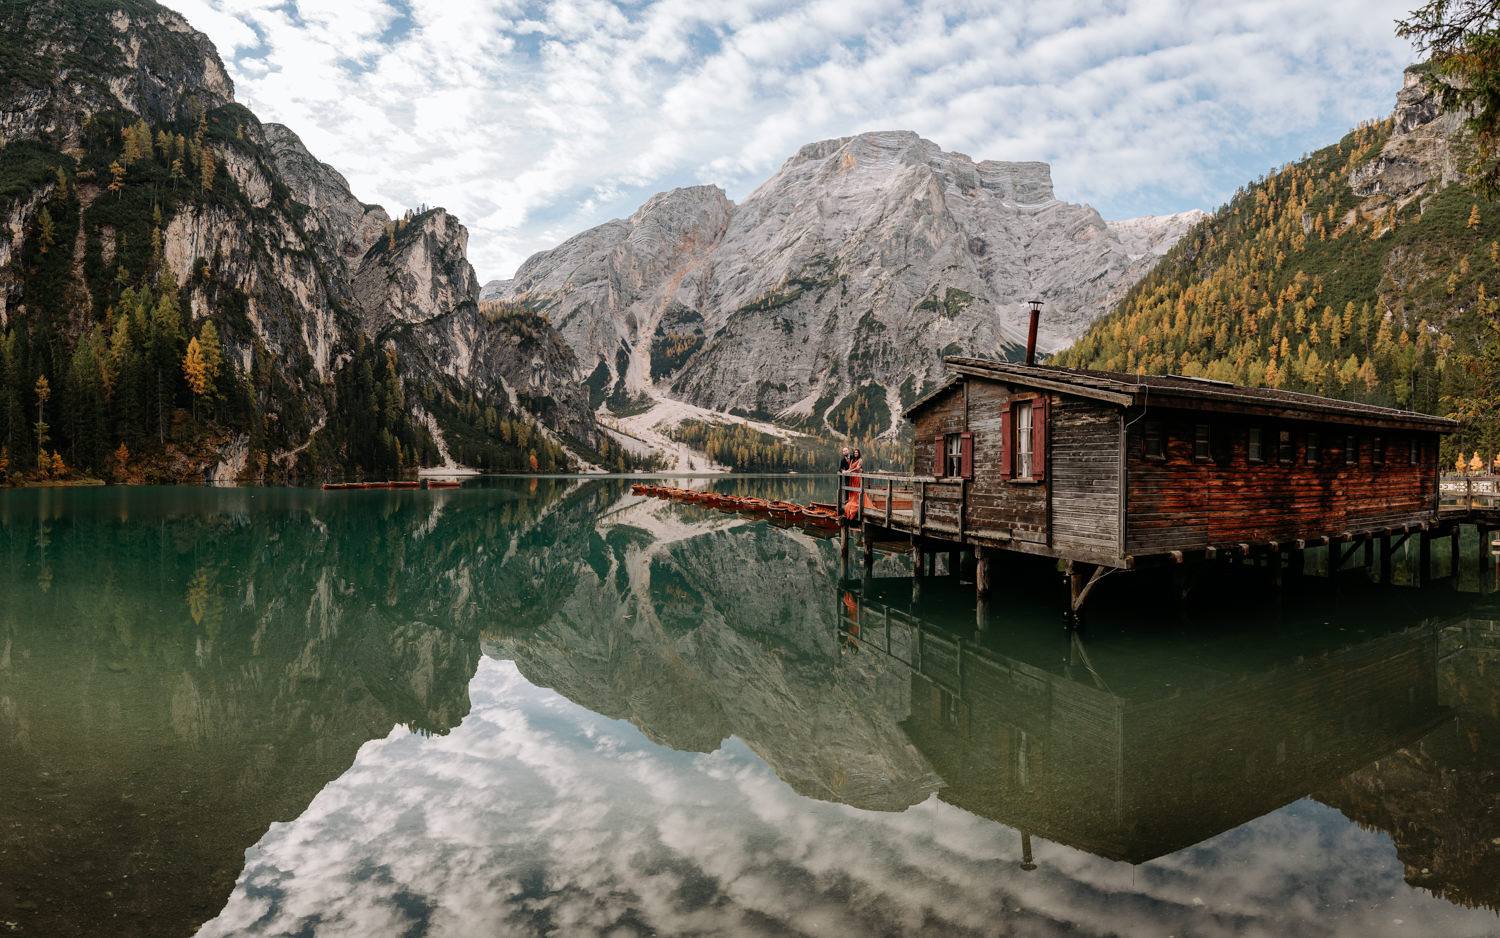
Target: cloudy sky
(535, 120)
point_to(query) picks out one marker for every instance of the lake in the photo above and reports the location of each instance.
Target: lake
(549, 707)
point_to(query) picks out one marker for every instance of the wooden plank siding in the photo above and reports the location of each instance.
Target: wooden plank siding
(1181, 503)
(1100, 500)
(994, 503)
(1084, 465)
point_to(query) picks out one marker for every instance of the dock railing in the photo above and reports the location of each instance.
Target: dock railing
(1467, 491)
(918, 503)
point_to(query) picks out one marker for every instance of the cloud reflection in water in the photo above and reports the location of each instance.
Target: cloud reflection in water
(537, 816)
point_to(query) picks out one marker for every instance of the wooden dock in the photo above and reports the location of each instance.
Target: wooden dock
(928, 516)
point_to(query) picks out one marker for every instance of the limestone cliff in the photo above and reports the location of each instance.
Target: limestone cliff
(862, 261)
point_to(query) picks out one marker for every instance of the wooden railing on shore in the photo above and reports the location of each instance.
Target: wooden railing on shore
(1468, 491)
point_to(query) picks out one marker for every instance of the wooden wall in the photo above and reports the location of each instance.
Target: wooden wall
(1181, 503)
(994, 504)
(1085, 475)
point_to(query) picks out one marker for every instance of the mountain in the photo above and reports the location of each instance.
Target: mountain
(1366, 271)
(144, 214)
(830, 295)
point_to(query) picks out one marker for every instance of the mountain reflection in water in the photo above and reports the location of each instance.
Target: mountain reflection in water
(549, 707)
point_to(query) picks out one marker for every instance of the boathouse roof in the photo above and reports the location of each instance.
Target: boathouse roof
(1127, 390)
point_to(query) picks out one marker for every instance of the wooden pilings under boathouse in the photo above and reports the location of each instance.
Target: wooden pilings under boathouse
(1108, 472)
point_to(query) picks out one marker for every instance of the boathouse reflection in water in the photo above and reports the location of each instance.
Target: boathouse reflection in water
(1396, 730)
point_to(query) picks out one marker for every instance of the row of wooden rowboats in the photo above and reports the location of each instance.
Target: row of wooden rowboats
(816, 515)
(429, 483)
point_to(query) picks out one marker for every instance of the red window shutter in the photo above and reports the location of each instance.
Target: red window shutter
(1039, 438)
(939, 455)
(1007, 420)
(967, 444)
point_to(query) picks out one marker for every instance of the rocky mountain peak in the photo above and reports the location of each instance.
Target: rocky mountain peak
(1423, 148)
(847, 275)
(138, 57)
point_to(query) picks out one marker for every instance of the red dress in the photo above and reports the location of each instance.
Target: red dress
(851, 506)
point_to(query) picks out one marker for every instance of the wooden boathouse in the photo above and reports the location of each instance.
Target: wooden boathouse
(1110, 471)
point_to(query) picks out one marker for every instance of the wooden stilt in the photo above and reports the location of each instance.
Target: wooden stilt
(984, 566)
(1081, 580)
(869, 546)
(1424, 557)
(1369, 557)
(918, 567)
(1453, 554)
(1385, 558)
(953, 562)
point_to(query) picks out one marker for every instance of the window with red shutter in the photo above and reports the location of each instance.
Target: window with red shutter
(1006, 470)
(939, 453)
(967, 459)
(1039, 438)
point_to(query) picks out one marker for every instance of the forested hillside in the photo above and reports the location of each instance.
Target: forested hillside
(186, 291)
(1363, 271)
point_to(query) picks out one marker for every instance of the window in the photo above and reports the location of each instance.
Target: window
(1023, 440)
(1314, 448)
(1377, 451)
(1155, 440)
(1415, 454)
(953, 456)
(1257, 451)
(1284, 446)
(1351, 450)
(1202, 442)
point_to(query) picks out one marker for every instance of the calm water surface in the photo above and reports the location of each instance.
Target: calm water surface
(547, 707)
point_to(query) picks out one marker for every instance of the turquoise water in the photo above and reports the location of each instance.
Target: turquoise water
(548, 707)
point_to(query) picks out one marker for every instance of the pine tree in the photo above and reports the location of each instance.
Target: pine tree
(196, 372)
(43, 392)
(46, 230)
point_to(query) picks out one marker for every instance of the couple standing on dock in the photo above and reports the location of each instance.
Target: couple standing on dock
(850, 466)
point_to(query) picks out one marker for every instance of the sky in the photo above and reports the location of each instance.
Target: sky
(533, 121)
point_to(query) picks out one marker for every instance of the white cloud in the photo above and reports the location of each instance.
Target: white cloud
(530, 120)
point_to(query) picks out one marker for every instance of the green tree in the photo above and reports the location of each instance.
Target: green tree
(43, 392)
(46, 230)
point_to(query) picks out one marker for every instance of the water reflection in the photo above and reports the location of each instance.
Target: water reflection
(1114, 758)
(180, 668)
(1439, 799)
(550, 706)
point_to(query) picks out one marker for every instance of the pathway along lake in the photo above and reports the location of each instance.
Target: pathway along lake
(549, 707)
